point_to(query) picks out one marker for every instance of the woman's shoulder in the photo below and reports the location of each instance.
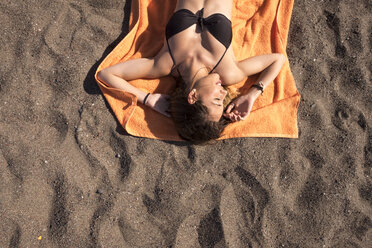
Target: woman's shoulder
(229, 71)
(232, 77)
(163, 61)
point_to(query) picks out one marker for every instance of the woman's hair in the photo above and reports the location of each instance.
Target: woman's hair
(191, 120)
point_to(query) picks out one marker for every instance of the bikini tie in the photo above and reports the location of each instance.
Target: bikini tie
(201, 19)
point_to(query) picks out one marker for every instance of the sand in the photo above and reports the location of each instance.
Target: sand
(71, 177)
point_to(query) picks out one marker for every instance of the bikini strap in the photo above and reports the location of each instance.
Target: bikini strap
(218, 61)
(170, 53)
(174, 62)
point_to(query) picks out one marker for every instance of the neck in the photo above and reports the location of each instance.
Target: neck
(192, 70)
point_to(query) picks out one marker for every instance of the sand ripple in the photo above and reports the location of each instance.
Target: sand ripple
(71, 177)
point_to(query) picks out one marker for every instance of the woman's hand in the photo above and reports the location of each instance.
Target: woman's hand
(159, 102)
(240, 108)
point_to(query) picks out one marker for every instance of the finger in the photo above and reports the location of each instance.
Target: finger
(235, 118)
(229, 116)
(230, 107)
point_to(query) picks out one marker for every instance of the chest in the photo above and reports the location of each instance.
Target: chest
(196, 43)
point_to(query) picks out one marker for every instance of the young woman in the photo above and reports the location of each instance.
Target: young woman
(198, 53)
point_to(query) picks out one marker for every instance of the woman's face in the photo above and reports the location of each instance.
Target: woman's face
(211, 93)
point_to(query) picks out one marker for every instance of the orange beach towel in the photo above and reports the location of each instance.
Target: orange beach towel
(259, 27)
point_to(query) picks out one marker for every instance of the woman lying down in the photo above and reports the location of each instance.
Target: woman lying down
(198, 53)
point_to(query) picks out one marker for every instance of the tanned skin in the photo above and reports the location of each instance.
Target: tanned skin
(194, 50)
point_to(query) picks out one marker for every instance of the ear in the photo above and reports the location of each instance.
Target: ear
(192, 96)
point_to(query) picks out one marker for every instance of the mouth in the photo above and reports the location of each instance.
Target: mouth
(219, 83)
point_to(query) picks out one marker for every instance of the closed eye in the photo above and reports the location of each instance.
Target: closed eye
(218, 99)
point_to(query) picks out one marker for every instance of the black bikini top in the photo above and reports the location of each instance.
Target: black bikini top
(217, 24)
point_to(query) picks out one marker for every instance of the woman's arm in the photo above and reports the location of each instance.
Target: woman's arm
(118, 75)
(269, 65)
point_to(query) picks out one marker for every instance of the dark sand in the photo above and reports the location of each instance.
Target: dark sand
(71, 177)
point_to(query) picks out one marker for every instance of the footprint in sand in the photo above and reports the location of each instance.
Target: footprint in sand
(312, 195)
(365, 192)
(60, 33)
(68, 32)
(210, 230)
(242, 211)
(333, 23)
(351, 49)
(59, 121)
(8, 44)
(122, 153)
(10, 233)
(59, 215)
(93, 135)
(349, 119)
